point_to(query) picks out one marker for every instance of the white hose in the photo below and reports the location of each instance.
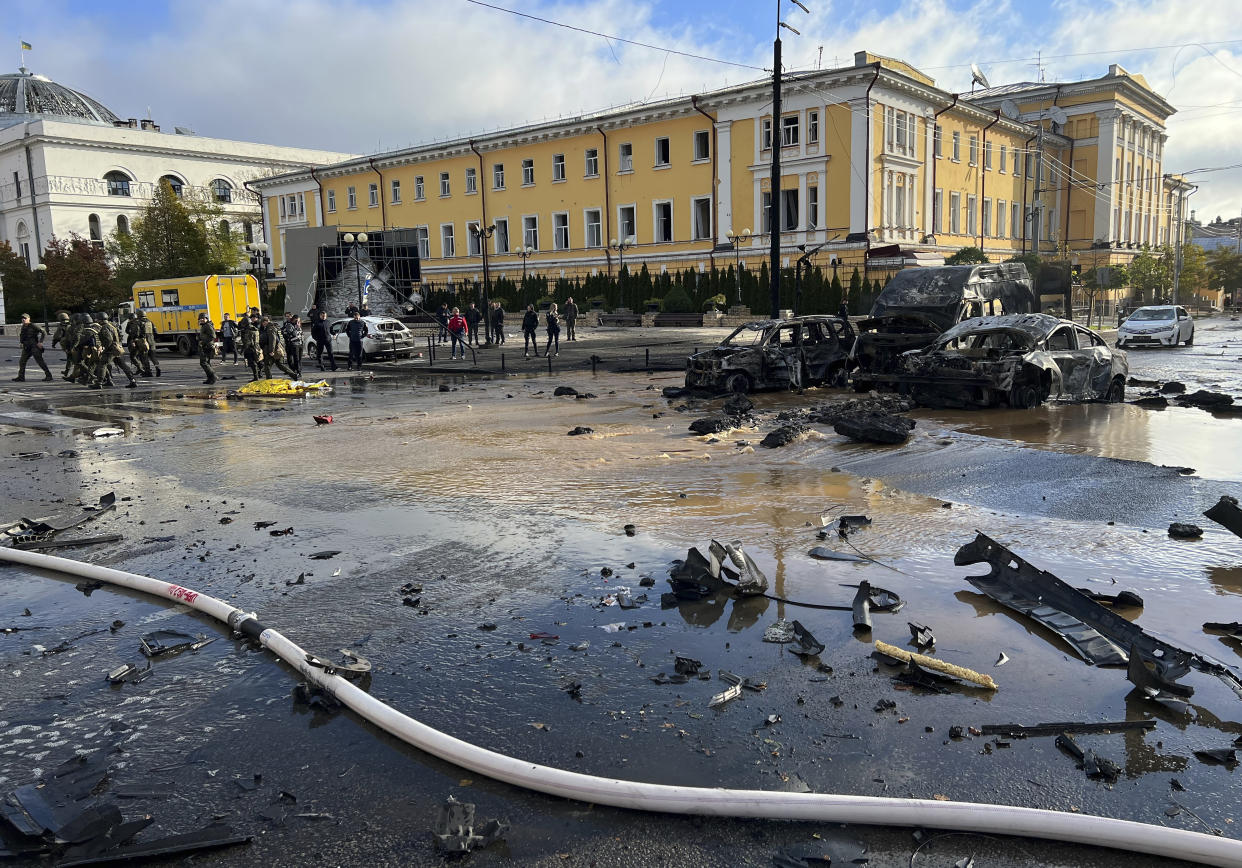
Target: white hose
(828, 808)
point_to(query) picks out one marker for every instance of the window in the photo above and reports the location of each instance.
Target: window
(502, 235)
(353, 198)
(812, 207)
(558, 167)
(472, 181)
(625, 155)
(592, 163)
(528, 173)
(225, 230)
(95, 229)
(146, 299)
(662, 152)
(789, 209)
(938, 212)
(396, 192)
(447, 247)
(1000, 218)
(282, 208)
(789, 131)
(372, 195)
(987, 155)
(17, 185)
(530, 231)
(498, 176)
(222, 190)
(812, 128)
(122, 225)
(1030, 165)
(473, 245)
(702, 145)
(663, 214)
(444, 184)
(422, 240)
(955, 213)
(987, 218)
(1003, 156)
(766, 133)
(560, 231)
(957, 146)
(900, 130)
(974, 150)
(972, 214)
(118, 183)
(701, 217)
(170, 298)
(765, 212)
(627, 223)
(302, 205)
(247, 229)
(1015, 224)
(938, 140)
(331, 201)
(594, 230)
(173, 181)
(420, 192)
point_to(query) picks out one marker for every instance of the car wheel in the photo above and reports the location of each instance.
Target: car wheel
(1024, 396)
(184, 345)
(1190, 341)
(310, 348)
(1116, 391)
(739, 383)
(838, 377)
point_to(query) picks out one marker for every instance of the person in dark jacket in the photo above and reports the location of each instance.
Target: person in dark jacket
(357, 330)
(554, 332)
(570, 313)
(473, 317)
(323, 340)
(31, 339)
(291, 332)
(206, 347)
(530, 330)
(442, 317)
(228, 339)
(498, 322)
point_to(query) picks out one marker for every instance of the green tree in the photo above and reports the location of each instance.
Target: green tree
(78, 276)
(1151, 274)
(1194, 274)
(173, 237)
(676, 300)
(967, 256)
(1224, 270)
(20, 293)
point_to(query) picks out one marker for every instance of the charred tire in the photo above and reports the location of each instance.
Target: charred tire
(1116, 391)
(837, 377)
(739, 383)
(185, 346)
(1024, 396)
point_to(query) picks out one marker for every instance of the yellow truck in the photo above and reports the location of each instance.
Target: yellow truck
(173, 305)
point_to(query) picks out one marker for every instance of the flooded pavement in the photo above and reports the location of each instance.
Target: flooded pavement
(511, 528)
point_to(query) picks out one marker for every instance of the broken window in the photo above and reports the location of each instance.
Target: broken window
(498, 176)
(472, 181)
(422, 238)
(662, 153)
(789, 131)
(957, 146)
(702, 145)
(592, 162)
(444, 184)
(812, 128)
(419, 193)
(528, 173)
(396, 192)
(626, 222)
(373, 195)
(502, 235)
(812, 207)
(663, 221)
(331, 200)
(702, 214)
(625, 157)
(473, 245)
(352, 196)
(1062, 339)
(558, 167)
(530, 231)
(789, 209)
(766, 133)
(560, 231)
(594, 230)
(447, 248)
(765, 211)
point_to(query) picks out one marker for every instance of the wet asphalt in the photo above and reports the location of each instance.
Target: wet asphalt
(477, 498)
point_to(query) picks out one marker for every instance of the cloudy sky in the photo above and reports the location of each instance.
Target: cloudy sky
(369, 75)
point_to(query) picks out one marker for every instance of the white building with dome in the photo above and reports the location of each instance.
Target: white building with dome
(69, 165)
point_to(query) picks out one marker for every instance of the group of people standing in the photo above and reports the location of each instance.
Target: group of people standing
(93, 345)
(460, 328)
(263, 344)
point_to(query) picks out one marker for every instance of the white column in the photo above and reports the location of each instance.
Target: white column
(1106, 175)
(802, 204)
(860, 166)
(724, 181)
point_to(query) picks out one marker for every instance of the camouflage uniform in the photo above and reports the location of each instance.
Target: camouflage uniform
(111, 351)
(273, 346)
(146, 344)
(249, 336)
(31, 339)
(59, 336)
(73, 352)
(133, 336)
(206, 348)
(90, 349)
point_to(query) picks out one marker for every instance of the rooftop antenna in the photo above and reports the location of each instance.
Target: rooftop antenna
(977, 77)
(820, 61)
(1039, 65)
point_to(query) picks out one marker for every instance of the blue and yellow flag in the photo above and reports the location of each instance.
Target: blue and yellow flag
(26, 46)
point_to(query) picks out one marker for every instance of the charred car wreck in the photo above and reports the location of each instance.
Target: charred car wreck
(1020, 360)
(920, 303)
(775, 354)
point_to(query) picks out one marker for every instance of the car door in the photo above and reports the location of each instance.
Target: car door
(820, 351)
(1092, 347)
(1185, 325)
(1075, 368)
(340, 340)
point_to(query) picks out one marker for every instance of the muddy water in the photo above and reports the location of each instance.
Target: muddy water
(480, 498)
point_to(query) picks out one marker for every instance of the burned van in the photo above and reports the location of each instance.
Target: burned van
(775, 354)
(920, 303)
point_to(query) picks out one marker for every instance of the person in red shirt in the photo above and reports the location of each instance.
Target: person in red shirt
(457, 333)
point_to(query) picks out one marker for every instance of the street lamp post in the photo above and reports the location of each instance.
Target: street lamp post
(257, 251)
(737, 239)
(525, 253)
(360, 238)
(483, 234)
(621, 246)
(41, 271)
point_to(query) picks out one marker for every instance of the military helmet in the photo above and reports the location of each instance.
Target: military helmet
(62, 316)
(142, 314)
(99, 316)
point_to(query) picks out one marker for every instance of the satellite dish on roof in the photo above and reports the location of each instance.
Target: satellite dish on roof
(977, 77)
(1058, 116)
(1010, 109)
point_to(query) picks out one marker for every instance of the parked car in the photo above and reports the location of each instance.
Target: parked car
(1157, 325)
(919, 303)
(1018, 360)
(386, 338)
(775, 354)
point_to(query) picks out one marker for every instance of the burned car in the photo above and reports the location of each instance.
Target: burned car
(920, 303)
(1020, 360)
(775, 354)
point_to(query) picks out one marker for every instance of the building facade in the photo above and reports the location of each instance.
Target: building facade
(879, 169)
(70, 166)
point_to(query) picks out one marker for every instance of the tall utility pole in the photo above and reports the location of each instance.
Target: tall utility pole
(1177, 244)
(774, 197)
(1037, 214)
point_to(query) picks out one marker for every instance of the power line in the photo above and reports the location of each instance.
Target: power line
(1089, 53)
(616, 38)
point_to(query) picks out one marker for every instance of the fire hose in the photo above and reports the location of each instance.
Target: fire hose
(663, 798)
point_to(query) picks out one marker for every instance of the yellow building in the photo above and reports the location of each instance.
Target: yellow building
(878, 165)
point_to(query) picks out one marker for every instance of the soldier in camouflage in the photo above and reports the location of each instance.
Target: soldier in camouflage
(58, 337)
(89, 347)
(111, 352)
(249, 336)
(146, 344)
(206, 347)
(273, 345)
(31, 339)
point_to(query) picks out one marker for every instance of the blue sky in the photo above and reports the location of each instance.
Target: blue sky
(367, 75)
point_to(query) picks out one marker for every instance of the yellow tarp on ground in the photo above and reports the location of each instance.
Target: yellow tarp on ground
(290, 388)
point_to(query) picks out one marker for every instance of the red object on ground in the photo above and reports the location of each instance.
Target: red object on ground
(323, 420)
(543, 636)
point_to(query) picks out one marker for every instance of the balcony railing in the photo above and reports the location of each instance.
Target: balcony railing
(67, 185)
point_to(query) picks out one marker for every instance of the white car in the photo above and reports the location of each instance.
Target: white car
(1157, 325)
(386, 338)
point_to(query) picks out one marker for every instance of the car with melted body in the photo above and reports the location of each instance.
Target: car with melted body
(1018, 360)
(775, 354)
